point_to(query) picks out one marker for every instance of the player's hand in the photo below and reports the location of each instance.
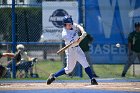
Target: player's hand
(82, 37)
(84, 34)
(77, 42)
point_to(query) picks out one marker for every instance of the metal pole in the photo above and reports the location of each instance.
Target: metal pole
(80, 21)
(84, 13)
(13, 39)
(83, 8)
(80, 2)
(133, 70)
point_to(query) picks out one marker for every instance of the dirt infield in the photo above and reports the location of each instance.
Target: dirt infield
(121, 86)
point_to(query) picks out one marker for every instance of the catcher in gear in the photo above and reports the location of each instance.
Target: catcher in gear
(23, 61)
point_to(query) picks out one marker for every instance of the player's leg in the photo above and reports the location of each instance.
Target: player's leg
(87, 54)
(68, 69)
(82, 60)
(26, 67)
(130, 61)
(71, 62)
(3, 71)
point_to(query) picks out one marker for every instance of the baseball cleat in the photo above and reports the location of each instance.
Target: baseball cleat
(123, 75)
(50, 79)
(93, 82)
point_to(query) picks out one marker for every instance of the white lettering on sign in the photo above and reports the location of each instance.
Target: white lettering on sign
(109, 49)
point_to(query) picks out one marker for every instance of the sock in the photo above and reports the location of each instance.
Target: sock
(59, 73)
(89, 72)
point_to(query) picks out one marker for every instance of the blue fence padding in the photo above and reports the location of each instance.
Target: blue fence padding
(108, 22)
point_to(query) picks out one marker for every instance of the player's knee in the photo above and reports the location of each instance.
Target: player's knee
(67, 71)
(85, 66)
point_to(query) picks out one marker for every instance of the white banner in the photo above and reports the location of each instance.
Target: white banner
(53, 13)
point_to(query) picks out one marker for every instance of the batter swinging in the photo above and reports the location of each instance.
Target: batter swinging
(74, 53)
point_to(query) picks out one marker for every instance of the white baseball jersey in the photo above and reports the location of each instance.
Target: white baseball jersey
(74, 53)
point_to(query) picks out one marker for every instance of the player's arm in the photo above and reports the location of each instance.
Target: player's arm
(130, 41)
(26, 57)
(130, 52)
(84, 34)
(129, 46)
(81, 30)
(8, 54)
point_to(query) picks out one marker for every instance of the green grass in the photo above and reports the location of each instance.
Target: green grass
(104, 71)
(45, 68)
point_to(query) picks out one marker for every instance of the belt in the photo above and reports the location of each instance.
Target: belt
(75, 46)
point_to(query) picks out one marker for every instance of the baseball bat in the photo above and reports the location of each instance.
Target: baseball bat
(64, 48)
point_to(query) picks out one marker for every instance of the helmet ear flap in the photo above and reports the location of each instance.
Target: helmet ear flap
(64, 25)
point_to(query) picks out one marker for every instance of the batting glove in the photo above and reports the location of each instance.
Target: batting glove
(84, 34)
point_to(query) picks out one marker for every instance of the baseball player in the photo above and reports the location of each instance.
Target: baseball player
(74, 53)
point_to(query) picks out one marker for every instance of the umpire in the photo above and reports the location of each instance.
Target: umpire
(133, 48)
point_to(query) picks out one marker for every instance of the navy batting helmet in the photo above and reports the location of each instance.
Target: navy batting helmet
(67, 19)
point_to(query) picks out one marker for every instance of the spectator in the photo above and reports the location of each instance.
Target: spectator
(85, 46)
(3, 70)
(133, 48)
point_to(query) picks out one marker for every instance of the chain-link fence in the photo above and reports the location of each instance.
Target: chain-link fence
(28, 21)
(41, 37)
(28, 31)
